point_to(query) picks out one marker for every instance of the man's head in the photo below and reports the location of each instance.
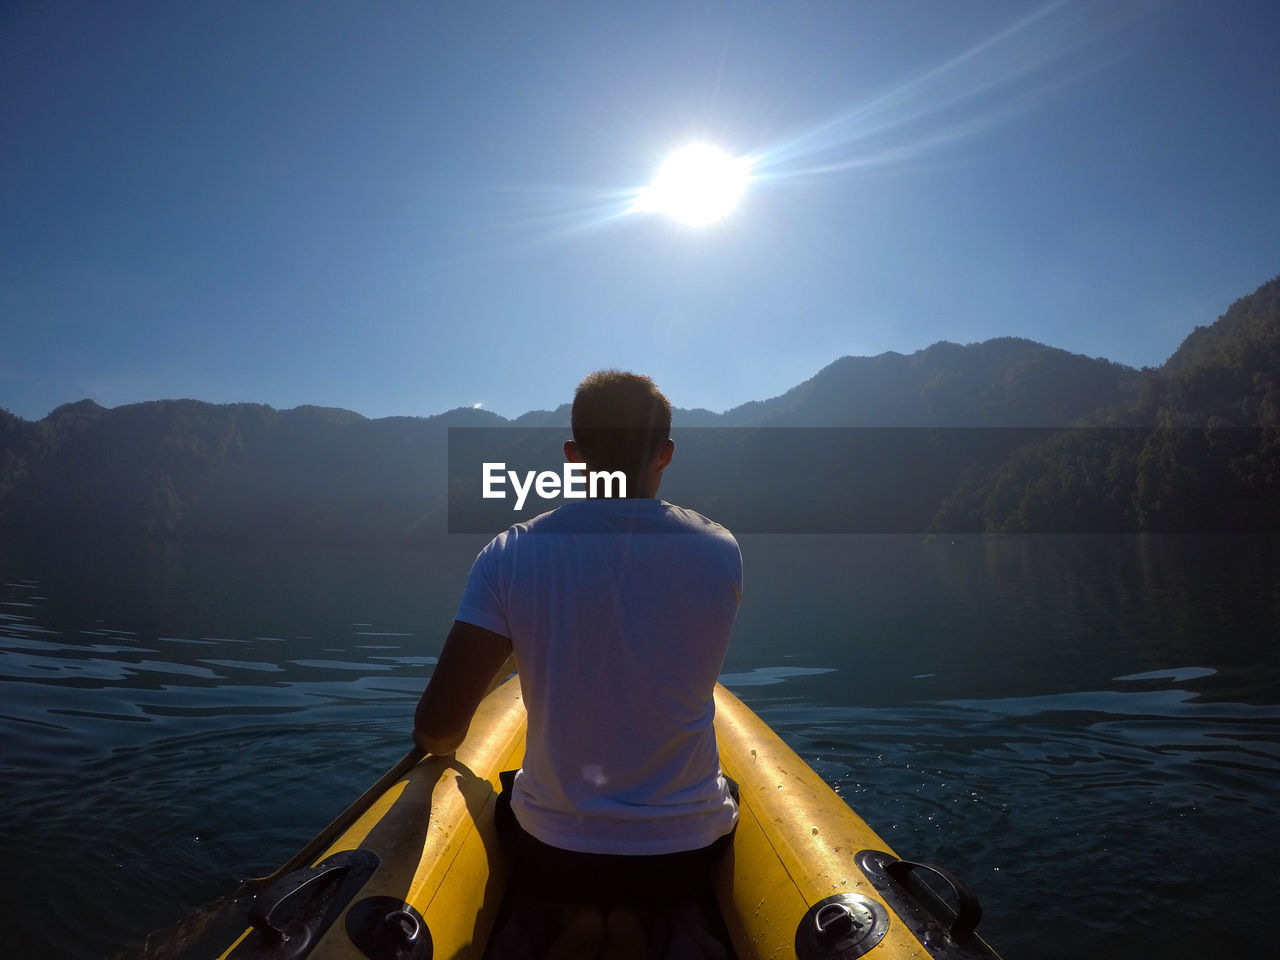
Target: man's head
(622, 421)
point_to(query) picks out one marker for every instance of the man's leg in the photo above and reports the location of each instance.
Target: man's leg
(581, 936)
(625, 936)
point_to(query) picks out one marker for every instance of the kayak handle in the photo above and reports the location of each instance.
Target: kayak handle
(968, 909)
(301, 901)
(263, 916)
(927, 914)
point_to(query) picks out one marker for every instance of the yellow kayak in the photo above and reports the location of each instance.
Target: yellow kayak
(420, 876)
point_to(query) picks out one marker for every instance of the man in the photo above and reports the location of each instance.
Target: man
(619, 613)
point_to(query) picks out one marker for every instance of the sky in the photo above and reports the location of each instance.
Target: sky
(403, 208)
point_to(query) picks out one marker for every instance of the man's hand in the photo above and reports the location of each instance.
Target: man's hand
(433, 745)
(463, 675)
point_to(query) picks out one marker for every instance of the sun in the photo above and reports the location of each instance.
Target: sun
(696, 185)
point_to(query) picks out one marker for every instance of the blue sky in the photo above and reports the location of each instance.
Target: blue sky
(400, 208)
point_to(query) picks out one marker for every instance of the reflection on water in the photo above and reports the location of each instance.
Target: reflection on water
(1133, 817)
(1086, 729)
(767, 676)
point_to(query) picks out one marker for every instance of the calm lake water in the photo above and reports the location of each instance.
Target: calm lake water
(1087, 729)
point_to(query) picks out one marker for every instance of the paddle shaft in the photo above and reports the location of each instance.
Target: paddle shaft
(344, 820)
(340, 824)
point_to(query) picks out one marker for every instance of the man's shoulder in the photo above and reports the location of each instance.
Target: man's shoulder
(642, 516)
(695, 522)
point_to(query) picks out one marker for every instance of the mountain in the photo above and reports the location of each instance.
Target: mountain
(1005, 435)
(1198, 448)
(1227, 373)
(181, 468)
(1007, 382)
(1248, 324)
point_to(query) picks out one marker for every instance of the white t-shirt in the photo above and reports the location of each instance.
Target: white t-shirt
(619, 612)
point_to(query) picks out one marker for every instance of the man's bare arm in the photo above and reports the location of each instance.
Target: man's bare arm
(468, 662)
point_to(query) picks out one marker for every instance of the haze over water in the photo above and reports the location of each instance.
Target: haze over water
(1086, 729)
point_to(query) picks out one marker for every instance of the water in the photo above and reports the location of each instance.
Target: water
(1086, 729)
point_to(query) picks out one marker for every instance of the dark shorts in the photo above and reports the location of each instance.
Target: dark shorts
(604, 879)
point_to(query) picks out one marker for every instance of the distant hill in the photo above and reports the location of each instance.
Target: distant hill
(1006, 435)
(1008, 382)
(181, 468)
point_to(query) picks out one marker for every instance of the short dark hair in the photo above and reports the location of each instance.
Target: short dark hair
(620, 420)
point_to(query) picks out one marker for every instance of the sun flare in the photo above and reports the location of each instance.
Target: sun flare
(697, 185)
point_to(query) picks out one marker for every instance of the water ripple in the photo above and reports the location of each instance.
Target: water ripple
(1086, 730)
(1016, 792)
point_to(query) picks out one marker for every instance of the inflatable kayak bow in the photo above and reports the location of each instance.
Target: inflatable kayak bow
(420, 876)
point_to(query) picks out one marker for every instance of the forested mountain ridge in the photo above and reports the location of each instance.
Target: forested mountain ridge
(191, 469)
(1226, 374)
(1191, 445)
(1197, 449)
(1249, 322)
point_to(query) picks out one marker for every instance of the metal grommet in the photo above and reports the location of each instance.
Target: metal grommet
(841, 927)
